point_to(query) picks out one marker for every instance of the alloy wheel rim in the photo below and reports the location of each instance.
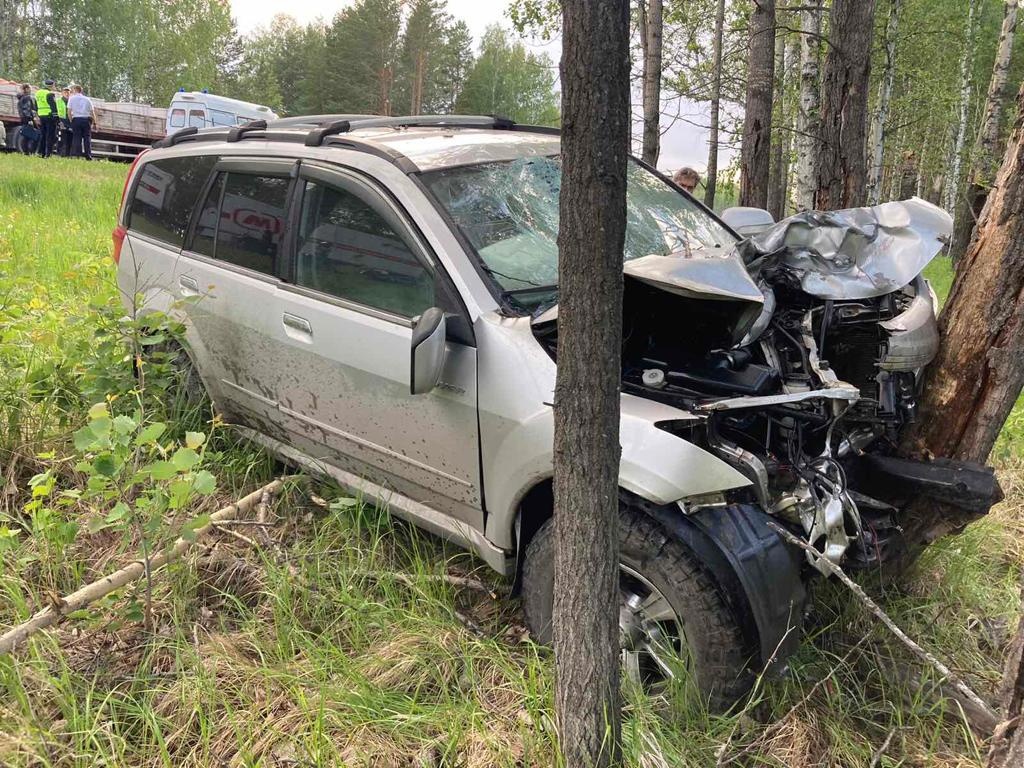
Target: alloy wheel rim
(650, 632)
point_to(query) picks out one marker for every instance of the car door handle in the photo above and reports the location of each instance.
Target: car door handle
(188, 285)
(296, 323)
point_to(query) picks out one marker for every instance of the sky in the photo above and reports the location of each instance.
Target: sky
(684, 140)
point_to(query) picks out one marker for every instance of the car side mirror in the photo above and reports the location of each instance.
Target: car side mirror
(747, 221)
(428, 348)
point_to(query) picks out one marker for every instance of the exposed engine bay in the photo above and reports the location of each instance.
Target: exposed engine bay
(799, 354)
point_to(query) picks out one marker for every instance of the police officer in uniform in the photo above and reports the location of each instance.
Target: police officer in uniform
(46, 108)
(64, 126)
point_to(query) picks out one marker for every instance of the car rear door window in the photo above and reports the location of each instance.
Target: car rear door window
(349, 250)
(205, 235)
(250, 222)
(165, 194)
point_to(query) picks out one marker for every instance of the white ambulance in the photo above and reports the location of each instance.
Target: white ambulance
(201, 109)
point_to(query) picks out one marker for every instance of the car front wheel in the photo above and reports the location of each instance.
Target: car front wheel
(673, 618)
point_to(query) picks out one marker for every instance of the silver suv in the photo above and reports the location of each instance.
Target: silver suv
(375, 299)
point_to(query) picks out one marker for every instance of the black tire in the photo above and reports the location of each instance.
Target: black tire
(716, 646)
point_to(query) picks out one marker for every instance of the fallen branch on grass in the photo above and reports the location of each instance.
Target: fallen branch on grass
(91, 592)
(871, 605)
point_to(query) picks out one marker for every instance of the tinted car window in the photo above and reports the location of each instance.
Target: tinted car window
(205, 234)
(251, 221)
(348, 250)
(165, 195)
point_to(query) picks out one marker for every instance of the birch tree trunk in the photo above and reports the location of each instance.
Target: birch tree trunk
(987, 145)
(592, 220)
(878, 120)
(653, 31)
(807, 119)
(755, 154)
(777, 182)
(842, 163)
(974, 381)
(956, 152)
(711, 182)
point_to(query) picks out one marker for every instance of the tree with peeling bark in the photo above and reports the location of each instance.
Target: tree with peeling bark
(755, 153)
(652, 29)
(977, 375)
(592, 222)
(807, 121)
(987, 145)
(881, 115)
(842, 163)
(711, 178)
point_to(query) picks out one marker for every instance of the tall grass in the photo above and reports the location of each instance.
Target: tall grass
(335, 642)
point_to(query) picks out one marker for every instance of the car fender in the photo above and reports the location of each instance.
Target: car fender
(655, 465)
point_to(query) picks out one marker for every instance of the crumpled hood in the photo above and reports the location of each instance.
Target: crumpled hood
(710, 273)
(857, 253)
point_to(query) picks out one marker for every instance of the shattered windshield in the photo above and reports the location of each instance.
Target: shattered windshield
(509, 213)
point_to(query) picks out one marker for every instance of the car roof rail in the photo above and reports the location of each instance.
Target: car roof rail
(237, 132)
(176, 137)
(316, 136)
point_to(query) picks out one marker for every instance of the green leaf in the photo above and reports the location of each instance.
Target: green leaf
(124, 425)
(194, 439)
(205, 483)
(161, 470)
(338, 505)
(105, 465)
(98, 411)
(85, 439)
(180, 493)
(118, 513)
(184, 459)
(96, 524)
(151, 433)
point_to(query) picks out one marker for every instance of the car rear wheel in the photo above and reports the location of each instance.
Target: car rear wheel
(672, 617)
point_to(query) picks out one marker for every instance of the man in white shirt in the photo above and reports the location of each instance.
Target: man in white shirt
(82, 114)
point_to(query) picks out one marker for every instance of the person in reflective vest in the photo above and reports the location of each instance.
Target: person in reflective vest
(64, 124)
(46, 108)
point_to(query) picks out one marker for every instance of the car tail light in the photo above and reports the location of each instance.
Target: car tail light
(120, 231)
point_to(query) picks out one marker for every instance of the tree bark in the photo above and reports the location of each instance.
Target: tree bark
(711, 182)
(776, 173)
(977, 375)
(878, 120)
(956, 152)
(652, 32)
(755, 153)
(592, 212)
(842, 162)
(807, 121)
(986, 145)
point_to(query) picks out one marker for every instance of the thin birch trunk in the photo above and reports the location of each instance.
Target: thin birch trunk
(711, 184)
(877, 141)
(807, 125)
(987, 146)
(652, 32)
(956, 155)
(777, 183)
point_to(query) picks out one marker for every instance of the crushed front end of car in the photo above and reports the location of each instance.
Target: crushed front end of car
(800, 353)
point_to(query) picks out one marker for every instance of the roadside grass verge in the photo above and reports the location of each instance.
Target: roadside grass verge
(338, 641)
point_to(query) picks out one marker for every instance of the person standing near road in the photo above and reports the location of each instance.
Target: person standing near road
(64, 125)
(27, 115)
(82, 114)
(46, 108)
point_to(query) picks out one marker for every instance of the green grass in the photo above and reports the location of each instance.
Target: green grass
(309, 650)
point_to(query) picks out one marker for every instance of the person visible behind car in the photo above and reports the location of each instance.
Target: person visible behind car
(64, 123)
(27, 115)
(46, 108)
(687, 178)
(82, 115)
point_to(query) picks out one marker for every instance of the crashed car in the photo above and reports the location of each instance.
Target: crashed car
(376, 300)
